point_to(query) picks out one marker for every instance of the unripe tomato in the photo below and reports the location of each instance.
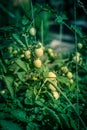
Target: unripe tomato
(37, 63)
(63, 74)
(51, 87)
(56, 95)
(64, 69)
(51, 76)
(71, 81)
(80, 45)
(50, 50)
(34, 78)
(2, 92)
(15, 52)
(39, 52)
(27, 54)
(51, 53)
(77, 54)
(69, 75)
(22, 55)
(10, 49)
(32, 31)
(76, 58)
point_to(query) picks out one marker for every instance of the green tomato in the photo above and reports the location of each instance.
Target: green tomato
(37, 63)
(39, 52)
(80, 45)
(76, 59)
(27, 54)
(69, 75)
(32, 31)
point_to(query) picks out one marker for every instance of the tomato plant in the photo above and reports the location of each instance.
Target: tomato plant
(39, 89)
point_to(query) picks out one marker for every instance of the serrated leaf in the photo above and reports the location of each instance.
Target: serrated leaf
(72, 122)
(53, 114)
(22, 64)
(78, 30)
(63, 80)
(61, 18)
(32, 126)
(3, 66)
(21, 76)
(9, 125)
(20, 115)
(24, 21)
(2, 115)
(64, 120)
(9, 81)
(17, 38)
(39, 103)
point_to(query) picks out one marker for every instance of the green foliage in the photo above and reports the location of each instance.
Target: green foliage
(9, 125)
(43, 97)
(21, 64)
(9, 82)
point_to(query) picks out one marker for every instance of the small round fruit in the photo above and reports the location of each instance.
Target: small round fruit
(71, 81)
(10, 49)
(2, 92)
(52, 55)
(51, 76)
(51, 87)
(34, 78)
(80, 45)
(64, 69)
(39, 52)
(69, 75)
(76, 58)
(27, 54)
(50, 50)
(32, 31)
(37, 63)
(22, 55)
(63, 74)
(77, 54)
(15, 52)
(56, 95)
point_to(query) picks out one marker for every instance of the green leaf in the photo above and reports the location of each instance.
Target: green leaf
(32, 126)
(72, 122)
(22, 64)
(78, 30)
(64, 120)
(20, 115)
(54, 115)
(64, 80)
(2, 115)
(9, 125)
(24, 21)
(61, 18)
(2, 66)
(39, 103)
(21, 76)
(9, 81)
(17, 38)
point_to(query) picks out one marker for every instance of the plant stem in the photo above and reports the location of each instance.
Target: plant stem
(59, 90)
(40, 89)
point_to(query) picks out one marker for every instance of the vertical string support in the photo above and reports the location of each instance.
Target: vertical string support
(77, 85)
(33, 20)
(42, 32)
(60, 33)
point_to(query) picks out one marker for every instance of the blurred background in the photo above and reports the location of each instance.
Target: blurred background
(55, 35)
